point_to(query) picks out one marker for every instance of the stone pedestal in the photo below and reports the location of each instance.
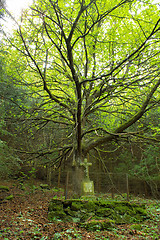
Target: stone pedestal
(87, 187)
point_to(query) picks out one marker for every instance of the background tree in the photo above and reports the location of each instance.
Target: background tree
(95, 67)
(9, 161)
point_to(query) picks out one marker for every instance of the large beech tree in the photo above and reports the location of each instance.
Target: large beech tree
(95, 64)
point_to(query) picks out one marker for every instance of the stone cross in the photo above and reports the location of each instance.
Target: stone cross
(86, 165)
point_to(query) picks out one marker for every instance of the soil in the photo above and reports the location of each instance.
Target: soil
(25, 216)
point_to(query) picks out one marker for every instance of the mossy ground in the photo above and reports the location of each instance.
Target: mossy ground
(96, 214)
(26, 217)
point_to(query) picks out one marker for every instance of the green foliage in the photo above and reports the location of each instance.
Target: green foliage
(10, 197)
(9, 94)
(9, 162)
(68, 234)
(150, 165)
(146, 165)
(142, 163)
(4, 188)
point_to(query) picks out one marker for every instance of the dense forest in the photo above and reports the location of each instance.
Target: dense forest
(81, 79)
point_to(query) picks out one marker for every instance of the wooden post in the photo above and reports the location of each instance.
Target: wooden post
(59, 177)
(112, 192)
(127, 186)
(49, 175)
(112, 186)
(99, 176)
(66, 186)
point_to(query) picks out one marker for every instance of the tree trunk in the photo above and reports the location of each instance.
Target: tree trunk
(77, 178)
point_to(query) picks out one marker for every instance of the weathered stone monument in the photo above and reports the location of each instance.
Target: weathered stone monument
(87, 184)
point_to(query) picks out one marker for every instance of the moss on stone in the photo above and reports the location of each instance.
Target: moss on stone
(82, 210)
(141, 211)
(95, 225)
(76, 206)
(90, 206)
(104, 212)
(123, 209)
(106, 204)
(55, 204)
(58, 215)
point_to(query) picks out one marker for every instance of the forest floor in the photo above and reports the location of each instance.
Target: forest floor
(25, 217)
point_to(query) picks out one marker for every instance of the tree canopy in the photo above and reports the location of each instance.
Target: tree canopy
(93, 67)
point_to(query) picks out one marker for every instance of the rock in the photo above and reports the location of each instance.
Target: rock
(101, 225)
(105, 212)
